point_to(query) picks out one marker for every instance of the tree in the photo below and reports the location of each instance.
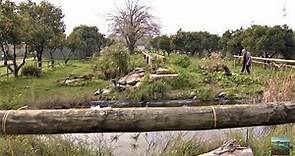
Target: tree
(12, 34)
(162, 43)
(87, 40)
(57, 42)
(231, 41)
(47, 21)
(133, 23)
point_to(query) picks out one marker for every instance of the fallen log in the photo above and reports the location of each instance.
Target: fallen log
(144, 119)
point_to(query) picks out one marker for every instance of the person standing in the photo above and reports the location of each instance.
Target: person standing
(247, 61)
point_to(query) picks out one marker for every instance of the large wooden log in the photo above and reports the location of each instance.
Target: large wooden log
(144, 119)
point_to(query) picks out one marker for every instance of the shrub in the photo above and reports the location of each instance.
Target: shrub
(31, 70)
(151, 91)
(182, 61)
(213, 63)
(136, 61)
(205, 94)
(113, 62)
(183, 81)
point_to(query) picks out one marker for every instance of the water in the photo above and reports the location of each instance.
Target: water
(146, 143)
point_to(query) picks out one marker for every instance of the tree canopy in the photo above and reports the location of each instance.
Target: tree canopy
(86, 39)
(276, 41)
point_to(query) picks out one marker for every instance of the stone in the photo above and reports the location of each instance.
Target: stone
(106, 91)
(102, 92)
(163, 71)
(132, 80)
(139, 70)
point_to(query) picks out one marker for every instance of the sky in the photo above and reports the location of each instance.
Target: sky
(214, 16)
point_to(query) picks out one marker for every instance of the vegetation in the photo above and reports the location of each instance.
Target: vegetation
(29, 28)
(113, 62)
(51, 146)
(31, 70)
(85, 39)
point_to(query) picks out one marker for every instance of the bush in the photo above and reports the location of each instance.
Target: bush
(205, 94)
(214, 63)
(31, 70)
(182, 61)
(151, 91)
(113, 62)
(136, 61)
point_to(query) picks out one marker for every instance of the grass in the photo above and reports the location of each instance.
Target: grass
(51, 146)
(18, 92)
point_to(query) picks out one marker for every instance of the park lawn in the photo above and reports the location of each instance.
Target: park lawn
(17, 92)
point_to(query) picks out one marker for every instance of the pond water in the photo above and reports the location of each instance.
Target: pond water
(129, 144)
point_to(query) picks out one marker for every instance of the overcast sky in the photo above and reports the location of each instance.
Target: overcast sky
(214, 16)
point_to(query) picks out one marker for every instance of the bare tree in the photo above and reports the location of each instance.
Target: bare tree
(133, 22)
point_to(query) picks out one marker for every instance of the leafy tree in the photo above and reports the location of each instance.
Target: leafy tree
(232, 41)
(133, 23)
(12, 34)
(195, 42)
(47, 21)
(86, 39)
(162, 43)
(57, 42)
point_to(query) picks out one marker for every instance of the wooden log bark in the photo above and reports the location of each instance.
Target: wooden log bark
(145, 119)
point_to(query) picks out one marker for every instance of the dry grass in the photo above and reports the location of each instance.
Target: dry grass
(214, 63)
(280, 88)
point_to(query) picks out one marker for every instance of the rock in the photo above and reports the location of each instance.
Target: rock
(193, 94)
(103, 92)
(139, 70)
(163, 71)
(73, 81)
(221, 95)
(132, 80)
(230, 148)
(98, 92)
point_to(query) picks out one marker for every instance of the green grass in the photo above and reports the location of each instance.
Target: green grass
(16, 92)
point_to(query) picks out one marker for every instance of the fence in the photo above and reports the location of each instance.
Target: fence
(144, 119)
(271, 62)
(7, 71)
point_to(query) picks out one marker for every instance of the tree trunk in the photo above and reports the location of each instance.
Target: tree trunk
(51, 58)
(144, 119)
(39, 57)
(15, 69)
